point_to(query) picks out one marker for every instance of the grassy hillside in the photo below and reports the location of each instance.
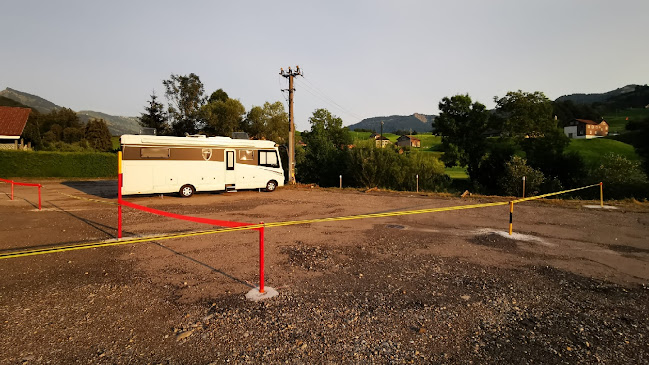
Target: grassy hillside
(592, 149)
(617, 121)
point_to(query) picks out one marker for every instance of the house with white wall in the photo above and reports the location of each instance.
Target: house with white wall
(583, 128)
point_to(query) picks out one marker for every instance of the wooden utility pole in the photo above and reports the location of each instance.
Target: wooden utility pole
(291, 125)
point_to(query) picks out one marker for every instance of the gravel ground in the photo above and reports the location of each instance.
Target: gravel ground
(441, 288)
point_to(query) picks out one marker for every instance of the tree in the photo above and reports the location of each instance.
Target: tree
(222, 117)
(521, 114)
(511, 182)
(32, 133)
(185, 95)
(72, 135)
(155, 117)
(269, 121)
(622, 177)
(324, 157)
(219, 95)
(64, 117)
(97, 135)
(462, 124)
(565, 111)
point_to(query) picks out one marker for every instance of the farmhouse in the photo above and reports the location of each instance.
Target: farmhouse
(12, 123)
(408, 141)
(582, 128)
(380, 141)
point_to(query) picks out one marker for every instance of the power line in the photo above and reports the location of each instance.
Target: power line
(315, 87)
(323, 97)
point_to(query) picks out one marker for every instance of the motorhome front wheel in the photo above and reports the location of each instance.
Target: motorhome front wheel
(271, 185)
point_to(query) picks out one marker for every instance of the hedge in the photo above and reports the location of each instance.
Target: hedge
(57, 164)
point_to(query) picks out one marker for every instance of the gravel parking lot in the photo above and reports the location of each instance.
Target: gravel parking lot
(571, 286)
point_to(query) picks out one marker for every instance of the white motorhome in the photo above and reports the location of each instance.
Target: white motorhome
(160, 164)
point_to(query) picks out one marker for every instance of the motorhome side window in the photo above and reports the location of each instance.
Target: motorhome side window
(268, 158)
(154, 152)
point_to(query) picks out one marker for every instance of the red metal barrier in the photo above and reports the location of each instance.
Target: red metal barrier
(39, 186)
(261, 258)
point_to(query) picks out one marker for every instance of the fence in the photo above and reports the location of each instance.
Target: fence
(39, 186)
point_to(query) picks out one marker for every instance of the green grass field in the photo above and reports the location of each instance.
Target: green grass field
(617, 121)
(457, 173)
(593, 149)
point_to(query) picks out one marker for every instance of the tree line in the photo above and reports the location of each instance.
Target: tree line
(190, 110)
(61, 130)
(528, 142)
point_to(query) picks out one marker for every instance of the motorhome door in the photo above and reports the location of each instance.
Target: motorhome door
(230, 167)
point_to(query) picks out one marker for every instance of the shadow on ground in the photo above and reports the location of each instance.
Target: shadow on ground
(99, 188)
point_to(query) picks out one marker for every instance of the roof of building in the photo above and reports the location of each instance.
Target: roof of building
(590, 121)
(13, 120)
(410, 137)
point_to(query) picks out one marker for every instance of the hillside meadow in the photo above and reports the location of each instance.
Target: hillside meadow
(593, 149)
(617, 121)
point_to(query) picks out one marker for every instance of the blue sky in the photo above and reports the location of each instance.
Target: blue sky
(360, 58)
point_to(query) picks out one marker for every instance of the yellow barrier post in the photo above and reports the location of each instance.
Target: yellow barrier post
(601, 194)
(511, 216)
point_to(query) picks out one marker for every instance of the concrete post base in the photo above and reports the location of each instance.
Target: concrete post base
(255, 296)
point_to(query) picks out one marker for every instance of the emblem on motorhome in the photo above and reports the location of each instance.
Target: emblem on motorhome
(207, 153)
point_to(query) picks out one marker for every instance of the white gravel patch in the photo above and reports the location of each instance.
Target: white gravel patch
(600, 207)
(515, 236)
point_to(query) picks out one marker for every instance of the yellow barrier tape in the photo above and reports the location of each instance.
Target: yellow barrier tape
(551, 194)
(89, 199)
(82, 246)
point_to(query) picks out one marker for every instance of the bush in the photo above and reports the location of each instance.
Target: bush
(512, 181)
(57, 164)
(368, 166)
(622, 177)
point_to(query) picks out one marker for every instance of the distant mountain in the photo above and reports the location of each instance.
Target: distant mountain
(34, 102)
(417, 122)
(5, 101)
(116, 124)
(597, 98)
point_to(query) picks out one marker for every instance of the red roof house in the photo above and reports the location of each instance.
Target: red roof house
(583, 128)
(12, 121)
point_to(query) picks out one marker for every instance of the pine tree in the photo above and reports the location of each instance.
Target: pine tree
(155, 117)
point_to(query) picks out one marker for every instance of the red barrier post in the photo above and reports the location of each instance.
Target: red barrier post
(119, 194)
(39, 196)
(12, 190)
(261, 258)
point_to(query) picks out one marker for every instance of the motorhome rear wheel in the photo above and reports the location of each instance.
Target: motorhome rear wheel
(186, 191)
